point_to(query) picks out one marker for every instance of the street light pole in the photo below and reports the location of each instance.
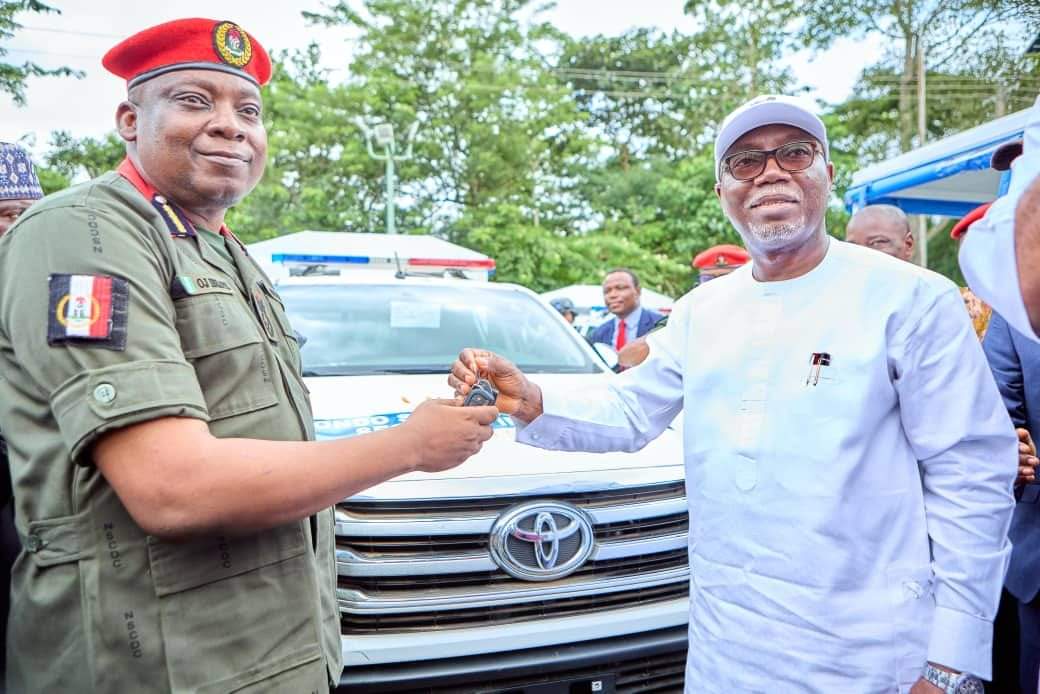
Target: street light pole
(391, 223)
(383, 135)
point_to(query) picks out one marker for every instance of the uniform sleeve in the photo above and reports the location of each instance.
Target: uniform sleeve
(94, 385)
(961, 434)
(622, 413)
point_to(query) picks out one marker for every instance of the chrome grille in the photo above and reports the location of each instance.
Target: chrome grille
(542, 609)
(425, 565)
(630, 529)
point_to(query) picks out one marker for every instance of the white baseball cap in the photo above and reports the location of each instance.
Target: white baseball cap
(769, 109)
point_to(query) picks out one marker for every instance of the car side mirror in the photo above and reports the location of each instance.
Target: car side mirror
(606, 353)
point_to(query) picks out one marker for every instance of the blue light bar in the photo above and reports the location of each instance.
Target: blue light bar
(319, 259)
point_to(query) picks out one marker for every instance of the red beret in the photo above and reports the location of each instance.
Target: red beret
(725, 255)
(189, 44)
(961, 228)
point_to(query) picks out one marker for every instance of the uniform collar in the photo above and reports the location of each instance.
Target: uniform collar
(175, 219)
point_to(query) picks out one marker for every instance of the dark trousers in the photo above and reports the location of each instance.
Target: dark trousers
(9, 548)
(1029, 654)
(1006, 648)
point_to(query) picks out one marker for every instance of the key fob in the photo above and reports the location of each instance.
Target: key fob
(483, 393)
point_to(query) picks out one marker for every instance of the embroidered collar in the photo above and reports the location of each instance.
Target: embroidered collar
(177, 222)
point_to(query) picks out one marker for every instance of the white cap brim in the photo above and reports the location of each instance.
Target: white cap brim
(768, 110)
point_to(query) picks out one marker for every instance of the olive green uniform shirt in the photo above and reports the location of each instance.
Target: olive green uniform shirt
(98, 605)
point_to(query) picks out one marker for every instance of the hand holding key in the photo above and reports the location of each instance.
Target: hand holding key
(517, 396)
(447, 434)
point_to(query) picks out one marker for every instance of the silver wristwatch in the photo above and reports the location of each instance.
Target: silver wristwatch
(952, 683)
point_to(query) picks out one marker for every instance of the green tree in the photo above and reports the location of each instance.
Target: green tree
(741, 44)
(634, 90)
(496, 127)
(87, 157)
(947, 39)
(14, 76)
(318, 175)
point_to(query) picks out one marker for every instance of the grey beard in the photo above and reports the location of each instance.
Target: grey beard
(775, 235)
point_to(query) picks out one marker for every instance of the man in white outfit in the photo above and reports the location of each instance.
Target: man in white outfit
(849, 461)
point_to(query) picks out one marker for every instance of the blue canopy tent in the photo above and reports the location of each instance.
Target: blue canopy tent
(948, 177)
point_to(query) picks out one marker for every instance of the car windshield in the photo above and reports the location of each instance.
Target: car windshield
(407, 328)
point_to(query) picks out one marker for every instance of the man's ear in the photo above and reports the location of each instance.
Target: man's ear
(718, 190)
(126, 121)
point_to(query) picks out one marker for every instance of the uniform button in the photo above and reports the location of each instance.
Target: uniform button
(160, 199)
(105, 393)
(33, 543)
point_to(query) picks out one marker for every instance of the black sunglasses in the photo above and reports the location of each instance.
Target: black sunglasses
(792, 157)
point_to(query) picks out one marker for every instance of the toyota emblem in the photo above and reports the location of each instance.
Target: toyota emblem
(542, 540)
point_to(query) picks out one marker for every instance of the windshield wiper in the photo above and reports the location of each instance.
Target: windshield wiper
(409, 370)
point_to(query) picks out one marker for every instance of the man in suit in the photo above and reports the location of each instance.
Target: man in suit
(621, 292)
(1015, 361)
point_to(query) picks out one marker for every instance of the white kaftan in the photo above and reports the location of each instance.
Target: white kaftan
(987, 256)
(843, 532)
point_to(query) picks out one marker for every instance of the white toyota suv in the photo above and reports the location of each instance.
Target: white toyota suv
(522, 570)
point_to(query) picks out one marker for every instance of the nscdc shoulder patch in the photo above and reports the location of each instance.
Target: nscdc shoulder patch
(88, 308)
(232, 44)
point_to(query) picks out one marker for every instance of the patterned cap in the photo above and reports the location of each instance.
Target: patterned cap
(18, 179)
(189, 44)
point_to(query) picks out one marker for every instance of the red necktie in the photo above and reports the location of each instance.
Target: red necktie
(619, 339)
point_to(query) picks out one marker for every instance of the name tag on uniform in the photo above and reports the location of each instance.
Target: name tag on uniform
(190, 285)
(88, 308)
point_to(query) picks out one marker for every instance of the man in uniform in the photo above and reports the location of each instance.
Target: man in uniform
(718, 261)
(848, 459)
(174, 512)
(884, 228)
(565, 307)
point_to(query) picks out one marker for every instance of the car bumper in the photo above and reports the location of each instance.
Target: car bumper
(644, 661)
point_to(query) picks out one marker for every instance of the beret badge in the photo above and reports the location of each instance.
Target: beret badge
(232, 44)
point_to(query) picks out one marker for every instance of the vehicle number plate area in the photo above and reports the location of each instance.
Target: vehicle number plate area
(600, 684)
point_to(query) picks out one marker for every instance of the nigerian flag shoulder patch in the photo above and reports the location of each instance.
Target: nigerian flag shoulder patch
(91, 309)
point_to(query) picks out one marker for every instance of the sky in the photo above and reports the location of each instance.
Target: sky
(85, 29)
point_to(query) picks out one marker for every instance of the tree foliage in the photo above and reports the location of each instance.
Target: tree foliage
(562, 157)
(13, 76)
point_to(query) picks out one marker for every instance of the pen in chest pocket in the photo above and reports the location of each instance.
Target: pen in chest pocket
(817, 361)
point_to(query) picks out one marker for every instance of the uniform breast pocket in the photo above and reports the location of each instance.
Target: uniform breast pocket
(291, 339)
(223, 343)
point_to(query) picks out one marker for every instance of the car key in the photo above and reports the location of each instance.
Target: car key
(482, 393)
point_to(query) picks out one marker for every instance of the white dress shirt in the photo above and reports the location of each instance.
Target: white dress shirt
(987, 256)
(840, 533)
